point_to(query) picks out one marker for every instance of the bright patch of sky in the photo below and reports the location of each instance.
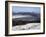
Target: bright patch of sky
(17, 9)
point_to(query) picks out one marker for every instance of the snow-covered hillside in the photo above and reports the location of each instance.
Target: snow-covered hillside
(27, 26)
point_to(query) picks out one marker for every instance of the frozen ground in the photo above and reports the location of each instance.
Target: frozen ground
(27, 26)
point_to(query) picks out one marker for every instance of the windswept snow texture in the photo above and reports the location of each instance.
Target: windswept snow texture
(29, 26)
(25, 18)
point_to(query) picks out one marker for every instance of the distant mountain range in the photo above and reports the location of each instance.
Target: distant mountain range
(22, 18)
(26, 13)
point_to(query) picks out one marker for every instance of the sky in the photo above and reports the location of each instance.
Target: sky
(17, 9)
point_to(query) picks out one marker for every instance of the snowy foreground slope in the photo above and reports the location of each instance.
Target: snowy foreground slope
(28, 26)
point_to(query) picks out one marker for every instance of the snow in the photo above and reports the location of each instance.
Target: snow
(27, 26)
(20, 16)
